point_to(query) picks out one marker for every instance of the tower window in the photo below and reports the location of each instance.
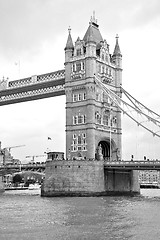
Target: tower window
(80, 119)
(74, 97)
(79, 142)
(83, 66)
(75, 120)
(98, 117)
(74, 67)
(79, 97)
(84, 118)
(98, 96)
(79, 52)
(74, 136)
(106, 118)
(78, 66)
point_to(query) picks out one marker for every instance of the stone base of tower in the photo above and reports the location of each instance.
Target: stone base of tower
(86, 178)
(121, 182)
(73, 178)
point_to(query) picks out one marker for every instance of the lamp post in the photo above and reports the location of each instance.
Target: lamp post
(110, 136)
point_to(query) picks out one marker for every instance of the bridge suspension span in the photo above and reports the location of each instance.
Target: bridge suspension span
(134, 109)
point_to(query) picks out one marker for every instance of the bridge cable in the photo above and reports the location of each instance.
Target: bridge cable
(118, 101)
(139, 103)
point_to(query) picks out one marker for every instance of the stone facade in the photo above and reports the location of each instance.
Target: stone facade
(92, 119)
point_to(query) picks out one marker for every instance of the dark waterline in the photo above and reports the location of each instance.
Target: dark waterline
(29, 216)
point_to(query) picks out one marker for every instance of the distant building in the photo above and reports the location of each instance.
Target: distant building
(6, 157)
(149, 177)
(55, 156)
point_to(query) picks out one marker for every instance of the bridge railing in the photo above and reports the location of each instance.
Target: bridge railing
(139, 162)
(35, 79)
(22, 165)
(133, 165)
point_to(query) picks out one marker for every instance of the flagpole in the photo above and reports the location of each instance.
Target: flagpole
(49, 139)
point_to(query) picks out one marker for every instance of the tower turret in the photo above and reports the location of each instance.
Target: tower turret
(117, 56)
(69, 46)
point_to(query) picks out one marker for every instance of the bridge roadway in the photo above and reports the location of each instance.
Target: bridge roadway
(125, 165)
(32, 88)
(6, 169)
(133, 165)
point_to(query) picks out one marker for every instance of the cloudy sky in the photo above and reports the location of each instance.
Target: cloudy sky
(33, 34)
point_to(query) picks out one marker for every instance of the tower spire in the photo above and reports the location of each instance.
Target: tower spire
(117, 50)
(69, 44)
(93, 19)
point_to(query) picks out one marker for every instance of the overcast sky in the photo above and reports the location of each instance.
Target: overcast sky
(34, 33)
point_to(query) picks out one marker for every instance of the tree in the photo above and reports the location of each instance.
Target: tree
(17, 178)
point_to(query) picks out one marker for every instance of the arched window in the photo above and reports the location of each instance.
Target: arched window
(106, 118)
(78, 66)
(98, 117)
(79, 52)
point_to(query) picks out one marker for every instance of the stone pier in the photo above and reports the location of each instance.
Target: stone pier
(86, 178)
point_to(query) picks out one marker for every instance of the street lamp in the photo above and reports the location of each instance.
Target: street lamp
(110, 137)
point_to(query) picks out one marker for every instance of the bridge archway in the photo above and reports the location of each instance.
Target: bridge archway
(109, 149)
(105, 145)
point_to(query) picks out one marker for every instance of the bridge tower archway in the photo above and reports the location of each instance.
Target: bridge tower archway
(109, 149)
(106, 149)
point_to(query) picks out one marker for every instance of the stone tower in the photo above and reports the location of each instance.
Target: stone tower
(93, 122)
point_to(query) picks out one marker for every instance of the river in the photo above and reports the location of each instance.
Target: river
(28, 216)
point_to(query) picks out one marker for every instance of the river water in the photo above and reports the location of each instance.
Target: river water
(26, 215)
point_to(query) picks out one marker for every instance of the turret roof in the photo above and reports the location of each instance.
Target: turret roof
(117, 50)
(69, 44)
(93, 33)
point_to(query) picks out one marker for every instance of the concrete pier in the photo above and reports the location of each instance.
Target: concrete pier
(86, 178)
(121, 181)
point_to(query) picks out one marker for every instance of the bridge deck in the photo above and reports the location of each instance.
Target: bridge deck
(126, 165)
(133, 165)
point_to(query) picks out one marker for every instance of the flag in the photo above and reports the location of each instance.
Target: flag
(49, 138)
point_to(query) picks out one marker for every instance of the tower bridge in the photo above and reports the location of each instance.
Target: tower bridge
(92, 84)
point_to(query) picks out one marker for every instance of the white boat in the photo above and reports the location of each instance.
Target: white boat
(34, 186)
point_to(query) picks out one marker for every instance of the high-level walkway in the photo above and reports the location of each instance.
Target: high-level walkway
(32, 88)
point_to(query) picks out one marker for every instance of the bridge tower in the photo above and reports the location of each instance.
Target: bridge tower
(93, 122)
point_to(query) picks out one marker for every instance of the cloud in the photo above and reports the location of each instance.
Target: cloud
(25, 25)
(35, 32)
